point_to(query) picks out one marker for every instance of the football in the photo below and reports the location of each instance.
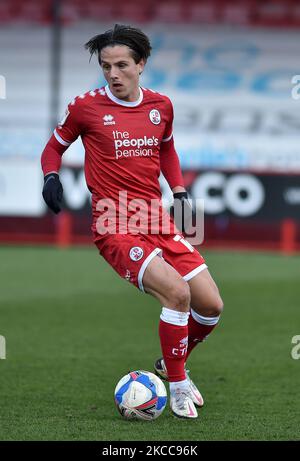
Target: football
(140, 395)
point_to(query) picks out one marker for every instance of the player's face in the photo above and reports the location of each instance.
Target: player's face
(121, 72)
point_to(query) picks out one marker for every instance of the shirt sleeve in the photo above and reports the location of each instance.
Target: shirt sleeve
(66, 132)
(70, 127)
(169, 161)
(170, 165)
(169, 125)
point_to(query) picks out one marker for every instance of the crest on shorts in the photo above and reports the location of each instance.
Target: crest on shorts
(136, 253)
(154, 116)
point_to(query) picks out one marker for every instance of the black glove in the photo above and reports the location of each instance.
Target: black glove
(181, 211)
(53, 192)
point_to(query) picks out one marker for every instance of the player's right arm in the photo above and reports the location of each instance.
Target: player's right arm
(64, 134)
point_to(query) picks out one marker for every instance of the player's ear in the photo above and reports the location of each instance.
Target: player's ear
(141, 65)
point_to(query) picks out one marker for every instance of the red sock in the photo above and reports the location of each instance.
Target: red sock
(174, 340)
(199, 331)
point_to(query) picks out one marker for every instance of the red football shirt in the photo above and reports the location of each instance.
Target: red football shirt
(122, 142)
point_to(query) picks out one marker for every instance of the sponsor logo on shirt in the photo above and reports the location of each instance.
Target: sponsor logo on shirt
(154, 116)
(125, 146)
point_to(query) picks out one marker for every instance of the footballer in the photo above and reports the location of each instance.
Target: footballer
(127, 134)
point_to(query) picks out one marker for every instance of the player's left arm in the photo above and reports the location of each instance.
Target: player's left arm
(170, 167)
(169, 161)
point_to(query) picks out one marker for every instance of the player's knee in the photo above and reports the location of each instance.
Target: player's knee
(213, 307)
(218, 306)
(180, 296)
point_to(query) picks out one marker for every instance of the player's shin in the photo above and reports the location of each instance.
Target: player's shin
(199, 327)
(173, 333)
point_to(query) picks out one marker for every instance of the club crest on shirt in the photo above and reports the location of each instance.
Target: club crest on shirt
(154, 116)
(136, 253)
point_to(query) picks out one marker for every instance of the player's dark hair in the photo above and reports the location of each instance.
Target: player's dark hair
(135, 39)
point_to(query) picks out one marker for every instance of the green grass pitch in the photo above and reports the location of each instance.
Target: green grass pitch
(73, 328)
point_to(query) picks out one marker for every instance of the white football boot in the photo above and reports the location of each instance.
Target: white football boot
(182, 405)
(194, 393)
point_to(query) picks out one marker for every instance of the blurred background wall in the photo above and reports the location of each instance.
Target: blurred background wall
(228, 68)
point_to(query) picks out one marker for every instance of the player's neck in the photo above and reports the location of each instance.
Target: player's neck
(133, 99)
